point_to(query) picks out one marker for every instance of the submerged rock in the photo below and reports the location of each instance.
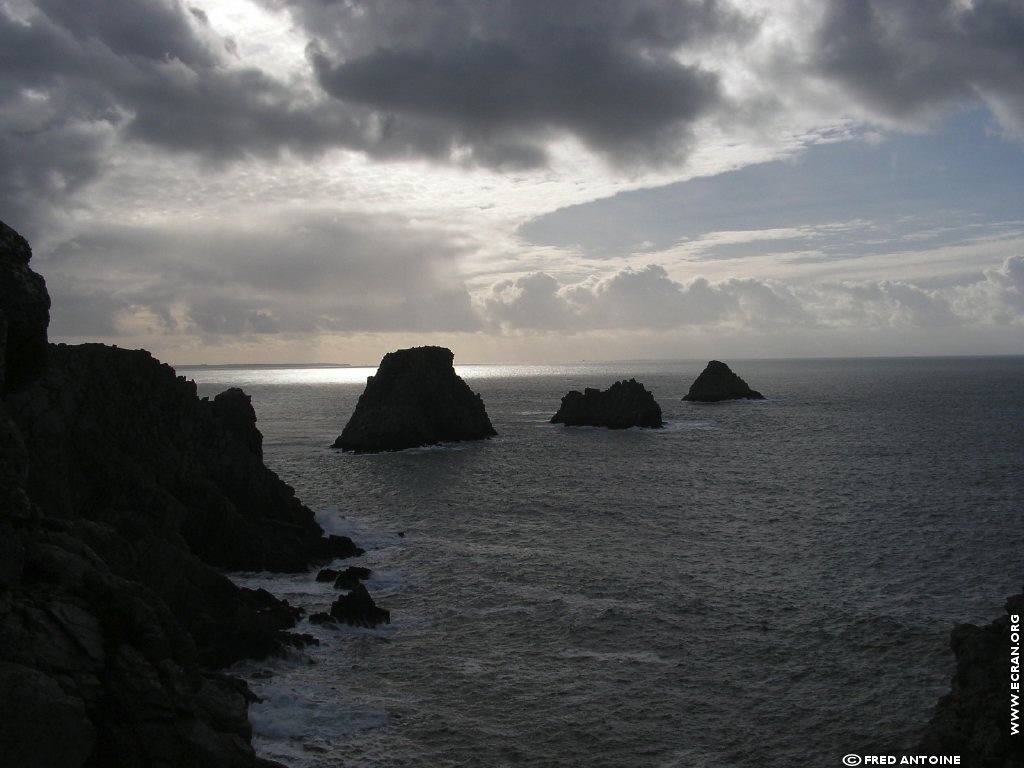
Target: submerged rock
(623, 405)
(717, 382)
(415, 399)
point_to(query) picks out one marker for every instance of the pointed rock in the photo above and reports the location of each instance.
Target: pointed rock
(358, 609)
(717, 382)
(415, 399)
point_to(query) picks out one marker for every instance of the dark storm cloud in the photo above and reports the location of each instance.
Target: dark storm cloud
(486, 82)
(489, 95)
(500, 78)
(916, 58)
(76, 78)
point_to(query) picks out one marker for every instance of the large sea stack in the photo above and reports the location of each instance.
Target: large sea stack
(717, 382)
(415, 399)
(623, 405)
(121, 494)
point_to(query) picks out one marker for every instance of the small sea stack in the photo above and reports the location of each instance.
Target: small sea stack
(415, 399)
(623, 405)
(717, 382)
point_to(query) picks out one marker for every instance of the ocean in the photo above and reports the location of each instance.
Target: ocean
(766, 583)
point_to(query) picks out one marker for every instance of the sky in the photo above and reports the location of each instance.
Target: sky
(520, 180)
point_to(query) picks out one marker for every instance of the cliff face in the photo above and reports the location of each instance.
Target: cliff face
(973, 719)
(625, 404)
(717, 382)
(114, 436)
(119, 490)
(415, 399)
(24, 312)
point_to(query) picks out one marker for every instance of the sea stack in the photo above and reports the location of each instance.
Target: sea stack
(623, 405)
(415, 399)
(717, 382)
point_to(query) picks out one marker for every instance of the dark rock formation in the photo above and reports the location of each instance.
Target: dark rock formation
(119, 490)
(351, 576)
(717, 382)
(322, 618)
(414, 399)
(973, 719)
(625, 404)
(114, 436)
(24, 313)
(358, 609)
(327, 574)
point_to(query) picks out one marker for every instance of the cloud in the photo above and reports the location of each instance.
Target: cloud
(649, 299)
(76, 83)
(915, 60)
(493, 84)
(309, 274)
(504, 102)
(498, 81)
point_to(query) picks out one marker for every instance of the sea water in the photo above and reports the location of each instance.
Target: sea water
(766, 583)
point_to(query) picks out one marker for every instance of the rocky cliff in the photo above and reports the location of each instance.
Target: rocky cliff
(624, 404)
(119, 492)
(415, 399)
(973, 719)
(717, 382)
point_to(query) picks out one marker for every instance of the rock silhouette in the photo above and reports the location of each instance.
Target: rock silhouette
(358, 609)
(120, 491)
(717, 382)
(623, 405)
(973, 719)
(414, 399)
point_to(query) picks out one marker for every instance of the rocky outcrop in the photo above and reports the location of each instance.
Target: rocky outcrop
(24, 313)
(358, 609)
(623, 405)
(115, 436)
(119, 492)
(415, 399)
(717, 382)
(973, 719)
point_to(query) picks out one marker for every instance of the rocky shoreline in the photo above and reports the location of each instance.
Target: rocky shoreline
(122, 496)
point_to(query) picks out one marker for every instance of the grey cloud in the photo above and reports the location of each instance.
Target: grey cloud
(629, 299)
(76, 79)
(507, 75)
(911, 59)
(885, 303)
(648, 299)
(622, 104)
(531, 301)
(308, 275)
(155, 30)
(996, 297)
